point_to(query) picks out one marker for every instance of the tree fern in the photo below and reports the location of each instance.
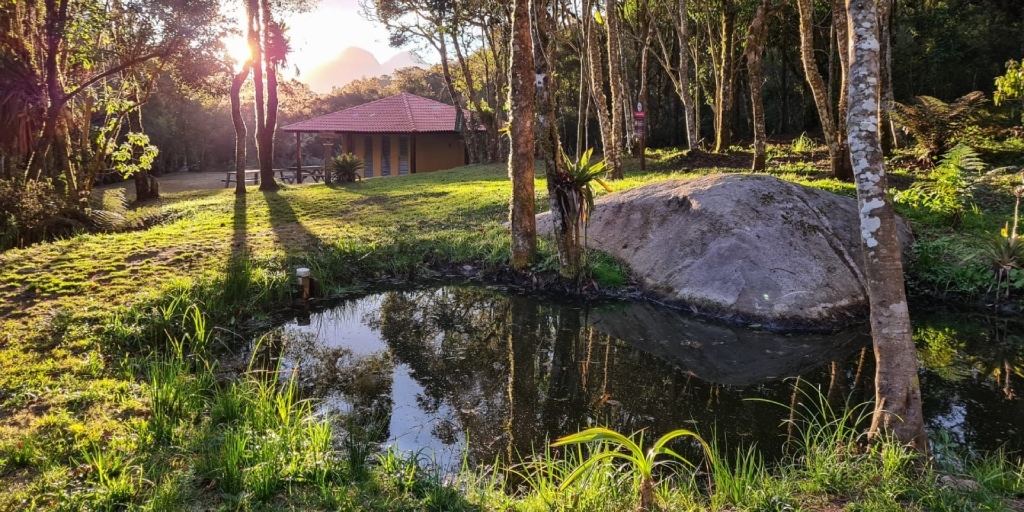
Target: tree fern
(935, 123)
(950, 188)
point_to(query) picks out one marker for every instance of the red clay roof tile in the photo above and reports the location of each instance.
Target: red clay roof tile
(403, 113)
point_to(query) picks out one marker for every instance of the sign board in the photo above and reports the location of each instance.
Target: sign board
(326, 135)
(640, 126)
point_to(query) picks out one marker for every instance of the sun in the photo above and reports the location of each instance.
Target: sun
(238, 48)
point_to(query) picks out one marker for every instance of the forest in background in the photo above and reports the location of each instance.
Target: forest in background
(92, 92)
(943, 49)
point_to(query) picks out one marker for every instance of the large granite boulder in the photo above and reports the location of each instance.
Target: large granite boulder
(740, 247)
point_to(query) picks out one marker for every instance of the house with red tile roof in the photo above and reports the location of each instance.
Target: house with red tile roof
(401, 134)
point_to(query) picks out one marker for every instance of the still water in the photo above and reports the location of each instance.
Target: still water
(468, 371)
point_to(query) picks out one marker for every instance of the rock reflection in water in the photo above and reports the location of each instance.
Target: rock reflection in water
(430, 369)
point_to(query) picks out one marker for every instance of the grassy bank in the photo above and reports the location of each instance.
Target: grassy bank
(112, 392)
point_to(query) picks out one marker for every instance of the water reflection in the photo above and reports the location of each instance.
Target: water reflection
(429, 370)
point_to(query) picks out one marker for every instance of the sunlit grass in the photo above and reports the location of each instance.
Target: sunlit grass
(111, 394)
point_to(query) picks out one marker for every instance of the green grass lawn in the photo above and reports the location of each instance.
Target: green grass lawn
(110, 391)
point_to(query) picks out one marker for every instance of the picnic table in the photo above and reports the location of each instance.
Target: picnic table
(252, 175)
(308, 171)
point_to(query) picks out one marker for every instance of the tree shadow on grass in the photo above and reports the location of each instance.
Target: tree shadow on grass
(295, 239)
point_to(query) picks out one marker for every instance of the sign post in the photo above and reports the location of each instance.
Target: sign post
(640, 127)
(328, 140)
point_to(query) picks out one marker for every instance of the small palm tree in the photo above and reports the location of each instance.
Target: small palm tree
(346, 167)
(617, 446)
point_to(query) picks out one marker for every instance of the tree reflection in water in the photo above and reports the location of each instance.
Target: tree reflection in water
(509, 373)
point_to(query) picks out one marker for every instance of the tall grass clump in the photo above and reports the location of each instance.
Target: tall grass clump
(824, 440)
(263, 437)
(741, 480)
(568, 482)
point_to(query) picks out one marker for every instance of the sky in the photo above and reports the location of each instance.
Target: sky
(321, 34)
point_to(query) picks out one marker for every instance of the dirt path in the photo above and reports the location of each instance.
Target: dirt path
(175, 182)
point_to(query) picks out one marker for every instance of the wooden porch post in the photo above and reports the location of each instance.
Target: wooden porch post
(328, 143)
(412, 154)
(298, 157)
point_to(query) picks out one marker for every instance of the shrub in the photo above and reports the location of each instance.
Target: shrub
(346, 167)
(31, 211)
(950, 191)
(934, 123)
(1005, 253)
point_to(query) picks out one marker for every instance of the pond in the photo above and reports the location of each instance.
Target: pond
(477, 373)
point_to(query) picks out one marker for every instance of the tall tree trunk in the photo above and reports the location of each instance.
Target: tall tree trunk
(817, 84)
(726, 78)
(594, 61)
(520, 165)
(845, 171)
(583, 109)
(256, 54)
(265, 147)
(614, 159)
(755, 48)
(474, 98)
(679, 73)
(146, 186)
(468, 135)
(689, 107)
(239, 123)
(569, 253)
(888, 96)
(897, 390)
(54, 27)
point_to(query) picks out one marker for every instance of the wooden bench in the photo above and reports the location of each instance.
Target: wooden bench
(252, 175)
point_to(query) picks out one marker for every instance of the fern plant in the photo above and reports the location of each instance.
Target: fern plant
(935, 123)
(951, 185)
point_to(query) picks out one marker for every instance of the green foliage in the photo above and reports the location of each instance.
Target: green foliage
(346, 167)
(951, 186)
(1005, 253)
(577, 193)
(1011, 85)
(935, 123)
(32, 211)
(609, 445)
(736, 480)
(134, 155)
(803, 144)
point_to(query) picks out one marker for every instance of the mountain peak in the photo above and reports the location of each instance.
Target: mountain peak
(353, 63)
